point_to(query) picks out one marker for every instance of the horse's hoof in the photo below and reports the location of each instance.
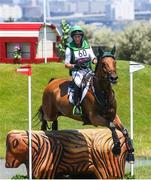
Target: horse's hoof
(116, 150)
(130, 158)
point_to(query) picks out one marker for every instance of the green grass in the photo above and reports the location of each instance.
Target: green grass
(142, 172)
(14, 101)
(141, 105)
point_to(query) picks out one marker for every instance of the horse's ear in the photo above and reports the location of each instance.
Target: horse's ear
(101, 52)
(113, 50)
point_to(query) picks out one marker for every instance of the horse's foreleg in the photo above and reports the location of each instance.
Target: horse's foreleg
(116, 149)
(100, 121)
(129, 145)
(130, 157)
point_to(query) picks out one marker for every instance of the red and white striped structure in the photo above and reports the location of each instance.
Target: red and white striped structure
(30, 37)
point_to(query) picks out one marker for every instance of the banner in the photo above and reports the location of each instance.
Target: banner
(26, 70)
(134, 66)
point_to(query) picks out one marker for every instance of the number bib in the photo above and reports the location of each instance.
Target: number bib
(82, 55)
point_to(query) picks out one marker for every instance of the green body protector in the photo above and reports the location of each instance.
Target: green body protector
(74, 49)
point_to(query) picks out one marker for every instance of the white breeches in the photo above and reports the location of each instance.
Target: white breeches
(78, 76)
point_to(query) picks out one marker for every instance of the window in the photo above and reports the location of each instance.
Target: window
(25, 49)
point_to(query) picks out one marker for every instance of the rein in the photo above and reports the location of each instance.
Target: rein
(100, 99)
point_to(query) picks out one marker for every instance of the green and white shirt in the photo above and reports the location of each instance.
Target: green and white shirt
(83, 54)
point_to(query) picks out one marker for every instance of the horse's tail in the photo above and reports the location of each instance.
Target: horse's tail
(51, 80)
(40, 116)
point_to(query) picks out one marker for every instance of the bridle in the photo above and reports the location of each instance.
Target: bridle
(101, 96)
(109, 76)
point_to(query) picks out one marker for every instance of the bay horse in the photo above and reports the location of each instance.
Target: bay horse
(99, 104)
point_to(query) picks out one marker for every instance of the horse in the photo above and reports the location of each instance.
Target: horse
(99, 105)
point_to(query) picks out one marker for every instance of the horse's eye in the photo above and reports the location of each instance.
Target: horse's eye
(103, 67)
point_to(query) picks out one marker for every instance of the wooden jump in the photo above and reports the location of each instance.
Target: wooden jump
(56, 154)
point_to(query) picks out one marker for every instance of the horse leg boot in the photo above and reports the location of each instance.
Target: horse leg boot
(130, 157)
(116, 149)
(77, 110)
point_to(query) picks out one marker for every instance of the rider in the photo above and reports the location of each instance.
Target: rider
(78, 58)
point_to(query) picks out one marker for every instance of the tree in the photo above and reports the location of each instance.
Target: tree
(65, 27)
(134, 43)
(99, 36)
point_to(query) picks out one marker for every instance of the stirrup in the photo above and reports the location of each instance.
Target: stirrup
(77, 111)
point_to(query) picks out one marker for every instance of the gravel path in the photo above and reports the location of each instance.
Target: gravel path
(7, 173)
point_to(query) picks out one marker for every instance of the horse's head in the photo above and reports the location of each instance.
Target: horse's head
(106, 66)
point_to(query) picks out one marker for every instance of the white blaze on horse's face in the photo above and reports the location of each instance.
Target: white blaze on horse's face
(109, 69)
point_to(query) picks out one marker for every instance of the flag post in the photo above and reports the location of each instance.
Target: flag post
(30, 126)
(133, 66)
(45, 30)
(26, 70)
(131, 117)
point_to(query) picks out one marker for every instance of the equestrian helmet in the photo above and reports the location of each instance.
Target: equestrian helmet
(76, 30)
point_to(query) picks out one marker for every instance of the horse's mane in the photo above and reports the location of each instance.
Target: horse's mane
(98, 58)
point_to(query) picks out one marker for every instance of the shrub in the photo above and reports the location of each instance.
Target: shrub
(134, 43)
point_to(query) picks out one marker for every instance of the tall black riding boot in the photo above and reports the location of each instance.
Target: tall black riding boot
(77, 110)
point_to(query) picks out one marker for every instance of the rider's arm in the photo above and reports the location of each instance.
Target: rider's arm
(92, 56)
(68, 59)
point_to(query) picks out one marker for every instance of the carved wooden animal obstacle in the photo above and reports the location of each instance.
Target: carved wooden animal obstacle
(59, 153)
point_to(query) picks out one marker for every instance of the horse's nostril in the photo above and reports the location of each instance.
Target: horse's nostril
(114, 78)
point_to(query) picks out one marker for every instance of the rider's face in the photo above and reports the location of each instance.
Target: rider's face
(77, 39)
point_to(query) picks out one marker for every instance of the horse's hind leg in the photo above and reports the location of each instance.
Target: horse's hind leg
(55, 125)
(116, 149)
(41, 117)
(44, 125)
(49, 110)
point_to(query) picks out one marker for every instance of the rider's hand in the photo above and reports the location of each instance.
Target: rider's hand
(83, 66)
(77, 66)
(94, 61)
